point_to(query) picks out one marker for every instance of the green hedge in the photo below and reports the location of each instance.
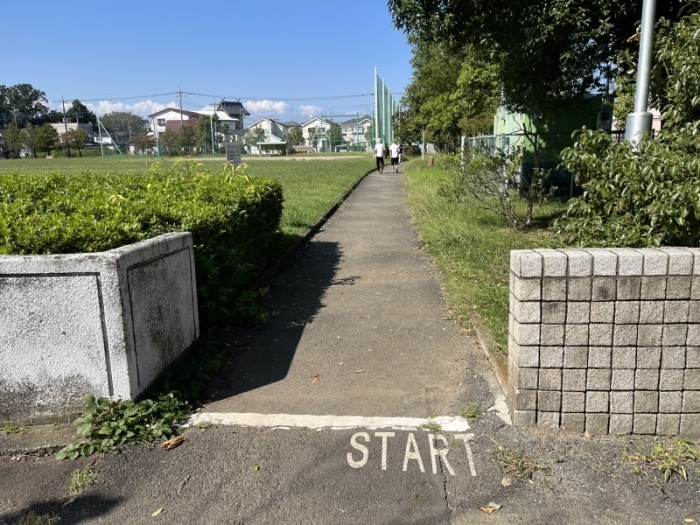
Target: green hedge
(234, 220)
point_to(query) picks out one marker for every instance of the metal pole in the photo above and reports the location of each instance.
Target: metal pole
(640, 120)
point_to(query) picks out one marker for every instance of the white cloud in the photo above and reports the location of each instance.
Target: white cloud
(267, 106)
(143, 108)
(310, 111)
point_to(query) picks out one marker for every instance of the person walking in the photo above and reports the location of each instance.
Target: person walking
(379, 155)
(394, 153)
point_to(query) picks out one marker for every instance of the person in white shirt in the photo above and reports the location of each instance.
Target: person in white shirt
(379, 155)
(394, 151)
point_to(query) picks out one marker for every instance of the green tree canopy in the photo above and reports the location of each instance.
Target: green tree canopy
(255, 135)
(21, 102)
(124, 122)
(295, 136)
(78, 112)
(75, 139)
(47, 139)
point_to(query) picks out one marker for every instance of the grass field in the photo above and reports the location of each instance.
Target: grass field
(311, 185)
(471, 247)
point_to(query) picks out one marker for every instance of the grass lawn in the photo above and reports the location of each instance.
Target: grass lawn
(310, 185)
(471, 247)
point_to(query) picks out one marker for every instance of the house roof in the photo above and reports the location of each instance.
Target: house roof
(356, 120)
(233, 108)
(176, 110)
(325, 120)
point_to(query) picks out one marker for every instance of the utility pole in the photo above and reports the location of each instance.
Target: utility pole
(640, 120)
(179, 94)
(65, 124)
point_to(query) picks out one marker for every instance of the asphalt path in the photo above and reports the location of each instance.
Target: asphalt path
(345, 409)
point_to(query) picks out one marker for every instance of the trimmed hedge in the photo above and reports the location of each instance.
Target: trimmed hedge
(234, 220)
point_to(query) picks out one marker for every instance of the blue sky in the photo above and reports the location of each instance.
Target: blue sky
(282, 58)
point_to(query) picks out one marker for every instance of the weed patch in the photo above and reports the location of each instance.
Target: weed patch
(81, 479)
(471, 412)
(520, 464)
(665, 461)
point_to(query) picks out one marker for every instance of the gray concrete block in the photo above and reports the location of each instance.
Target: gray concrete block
(575, 356)
(678, 287)
(548, 420)
(580, 263)
(578, 312)
(668, 424)
(526, 312)
(526, 263)
(646, 402)
(693, 335)
(552, 335)
(622, 380)
(674, 335)
(695, 288)
(527, 378)
(600, 357)
(554, 263)
(671, 380)
(573, 422)
(624, 357)
(525, 399)
(670, 402)
(579, 289)
(649, 357)
(625, 335)
(554, 312)
(526, 289)
(574, 380)
(690, 425)
(655, 262)
(524, 418)
(573, 402)
(603, 312)
(597, 402)
(651, 312)
(576, 335)
(601, 335)
(649, 334)
(680, 260)
(653, 288)
(621, 402)
(673, 357)
(694, 311)
(692, 379)
(626, 312)
(604, 289)
(629, 289)
(630, 262)
(692, 356)
(621, 424)
(597, 423)
(552, 356)
(696, 258)
(548, 401)
(528, 356)
(676, 311)
(646, 379)
(604, 262)
(525, 334)
(550, 379)
(644, 424)
(598, 379)
(554, 289)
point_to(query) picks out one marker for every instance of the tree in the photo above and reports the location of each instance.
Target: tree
(255, 135)
(187, 138)
(369, 133)
(47, 139)
(335, 134)
(76, 139)
(78, 112)
(14, 137)
(545, 54)
(23, 102)
(170, 141)
(142, 142)
(29, 139)
(295, 136)
(203, 132)
(124, 123)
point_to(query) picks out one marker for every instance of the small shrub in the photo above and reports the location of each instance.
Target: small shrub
(649, 197)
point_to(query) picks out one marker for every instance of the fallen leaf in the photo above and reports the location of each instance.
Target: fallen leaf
(490, 508)
(506, 482)
(173, 442)
(315, 378)
(689, 520)
(256, 468)
(359, 371)
(587, 435)
(158, 511)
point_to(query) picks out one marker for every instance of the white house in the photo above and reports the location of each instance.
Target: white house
(315, 132)
(354, 131)
(275, 134)
(159, 120)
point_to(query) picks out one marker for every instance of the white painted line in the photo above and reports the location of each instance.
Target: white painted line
(445, 423)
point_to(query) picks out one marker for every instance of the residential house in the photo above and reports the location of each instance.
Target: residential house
(159, 120)
(354, 131)
(315, 133)
(62, 128)
(275, 135)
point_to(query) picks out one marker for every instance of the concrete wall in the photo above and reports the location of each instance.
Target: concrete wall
(606, 340)
(101, 323)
